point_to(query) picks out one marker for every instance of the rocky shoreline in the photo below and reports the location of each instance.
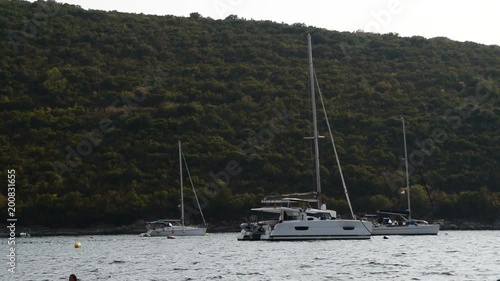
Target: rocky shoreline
(469, 225)
(139, 228)
(39, 231)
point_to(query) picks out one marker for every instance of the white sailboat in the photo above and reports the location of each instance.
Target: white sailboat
(304, 222)
(404, 225)
(168, 227)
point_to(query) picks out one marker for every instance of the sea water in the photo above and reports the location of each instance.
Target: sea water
(451, 255)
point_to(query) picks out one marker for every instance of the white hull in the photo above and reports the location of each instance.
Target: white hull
(425, 229)
(319, 230)
(177, 231)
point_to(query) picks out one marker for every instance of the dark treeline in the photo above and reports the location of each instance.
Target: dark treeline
(93, 103)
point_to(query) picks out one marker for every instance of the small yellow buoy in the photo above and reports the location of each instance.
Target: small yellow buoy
(78, 245)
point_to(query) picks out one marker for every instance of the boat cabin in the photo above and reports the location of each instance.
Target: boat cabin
(161, 224)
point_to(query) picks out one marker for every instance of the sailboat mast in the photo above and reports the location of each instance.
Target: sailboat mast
(406, 164)
(182, 191)
(315, 123)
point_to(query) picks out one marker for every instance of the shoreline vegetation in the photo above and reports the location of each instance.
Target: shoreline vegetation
(138, 228)
(93, 104)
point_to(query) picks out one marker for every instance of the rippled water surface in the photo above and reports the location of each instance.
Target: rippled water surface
(452, 255)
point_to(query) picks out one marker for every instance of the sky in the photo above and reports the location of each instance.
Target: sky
(476, 21)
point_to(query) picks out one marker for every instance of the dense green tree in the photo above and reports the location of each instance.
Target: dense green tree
(93, 103)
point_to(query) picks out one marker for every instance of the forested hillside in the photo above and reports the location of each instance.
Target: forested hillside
(93, 104)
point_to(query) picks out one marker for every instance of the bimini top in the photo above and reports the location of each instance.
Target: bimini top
(160, 221)
(278, 210)
(309, 197)
(392, 212)
(275, 210)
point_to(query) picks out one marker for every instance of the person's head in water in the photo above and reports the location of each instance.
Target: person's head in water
(72, 277)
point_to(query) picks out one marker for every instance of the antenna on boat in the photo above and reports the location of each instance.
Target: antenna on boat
(406, 164)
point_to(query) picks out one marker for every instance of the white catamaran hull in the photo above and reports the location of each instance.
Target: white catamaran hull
(319, 230)
(427, 229)
(177, 231)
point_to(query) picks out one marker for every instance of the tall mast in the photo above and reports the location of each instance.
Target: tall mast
(406, 164)
(182, 191)
(315, 123)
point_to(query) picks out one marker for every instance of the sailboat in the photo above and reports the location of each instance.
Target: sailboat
(404, 225)
(297, 220)
(176, 227)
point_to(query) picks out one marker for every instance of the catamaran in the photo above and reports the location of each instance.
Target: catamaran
(303, 222)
